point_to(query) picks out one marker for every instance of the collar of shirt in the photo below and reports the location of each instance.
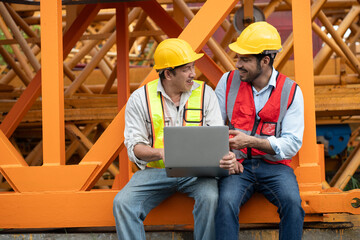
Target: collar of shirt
(261, 97)
(272, 82)
(185, 95)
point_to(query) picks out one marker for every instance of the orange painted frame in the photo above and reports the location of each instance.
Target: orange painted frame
(72, 204)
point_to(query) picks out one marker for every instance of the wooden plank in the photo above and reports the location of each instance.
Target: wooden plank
(88, 114)
(72, 103)
(337, 100)
(6, 88)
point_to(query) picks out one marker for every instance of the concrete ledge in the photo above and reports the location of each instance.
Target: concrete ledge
(247, 234)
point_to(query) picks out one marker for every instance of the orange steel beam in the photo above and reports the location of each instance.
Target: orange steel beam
(248, 12)
(9, 156)
(52, 83)
(22, 106)
(94, 209)
(308, 172)
(123, 86)
(33, 90)
(19, 177)
(66, 207)
(206, 65)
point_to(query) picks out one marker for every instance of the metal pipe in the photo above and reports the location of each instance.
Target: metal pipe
(102, 64)
(284, 55)
(18, 36)
(11, 74)
(16, 50)
(72, 78)
(325, 53)
(349, 55)
(349, 171)
(331, 43)
(90, 67)
(110, 25)
(90, 44)
(24, 78)
(270, 8)
(336, 79)
(21, 22)
(219, 52)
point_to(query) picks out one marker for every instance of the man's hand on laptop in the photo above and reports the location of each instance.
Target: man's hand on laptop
(230, 163)
(237, 169)
(238, 140)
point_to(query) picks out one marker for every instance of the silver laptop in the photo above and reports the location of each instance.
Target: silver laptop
(195, 151)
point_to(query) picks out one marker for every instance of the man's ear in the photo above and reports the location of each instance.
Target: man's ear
(168, 74)
(266, 60)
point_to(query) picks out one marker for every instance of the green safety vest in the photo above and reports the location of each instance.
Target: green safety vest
(193, 114)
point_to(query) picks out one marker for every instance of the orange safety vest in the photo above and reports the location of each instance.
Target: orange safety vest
(240, 110)
(193, 114)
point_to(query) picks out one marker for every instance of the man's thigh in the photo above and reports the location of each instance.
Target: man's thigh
(150, 186)
(198, 187)
(278, 183)
(238, 188)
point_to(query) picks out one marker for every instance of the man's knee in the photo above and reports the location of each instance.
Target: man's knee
(211, 197)
(121, 201)
(291, 203)
(226, 198)
(291, 200)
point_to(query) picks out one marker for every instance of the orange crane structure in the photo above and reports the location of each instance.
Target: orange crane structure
(45, 96)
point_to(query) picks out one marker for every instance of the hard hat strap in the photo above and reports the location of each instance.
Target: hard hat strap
(271, 51)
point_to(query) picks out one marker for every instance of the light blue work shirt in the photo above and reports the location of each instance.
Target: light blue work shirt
(288, 144)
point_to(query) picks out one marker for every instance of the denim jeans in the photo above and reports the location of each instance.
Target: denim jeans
(149, 187)
(277, 182)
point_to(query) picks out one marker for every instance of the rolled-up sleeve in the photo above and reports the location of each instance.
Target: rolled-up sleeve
(135, 126)
(212, 109)
(220, 92)
(290, 141)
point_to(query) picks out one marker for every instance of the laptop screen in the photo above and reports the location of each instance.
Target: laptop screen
(195, 151)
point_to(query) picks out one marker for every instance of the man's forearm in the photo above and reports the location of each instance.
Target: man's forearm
(147, 153)
(260, 144)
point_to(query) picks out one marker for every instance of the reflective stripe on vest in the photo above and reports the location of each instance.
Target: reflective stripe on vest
(193, 114)
(241, 112)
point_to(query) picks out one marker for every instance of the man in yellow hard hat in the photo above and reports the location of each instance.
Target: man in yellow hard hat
(162, 103)
(265, 111)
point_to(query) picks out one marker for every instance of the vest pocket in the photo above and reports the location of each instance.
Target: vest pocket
(268, 129)
(242, 117)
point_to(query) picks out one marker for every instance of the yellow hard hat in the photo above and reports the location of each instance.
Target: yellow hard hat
(174, 52)
(258, 37)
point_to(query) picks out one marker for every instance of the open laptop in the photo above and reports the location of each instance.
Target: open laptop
(195, 151)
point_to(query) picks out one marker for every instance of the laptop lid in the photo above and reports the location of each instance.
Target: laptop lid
(195, 151)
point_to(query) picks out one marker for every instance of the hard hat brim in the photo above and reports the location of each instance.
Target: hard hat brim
(193, 58)
(197, 56)
(235, 47)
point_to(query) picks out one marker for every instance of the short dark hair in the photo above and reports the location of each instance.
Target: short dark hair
(261, 56)
(172, 70)
(162, 72)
